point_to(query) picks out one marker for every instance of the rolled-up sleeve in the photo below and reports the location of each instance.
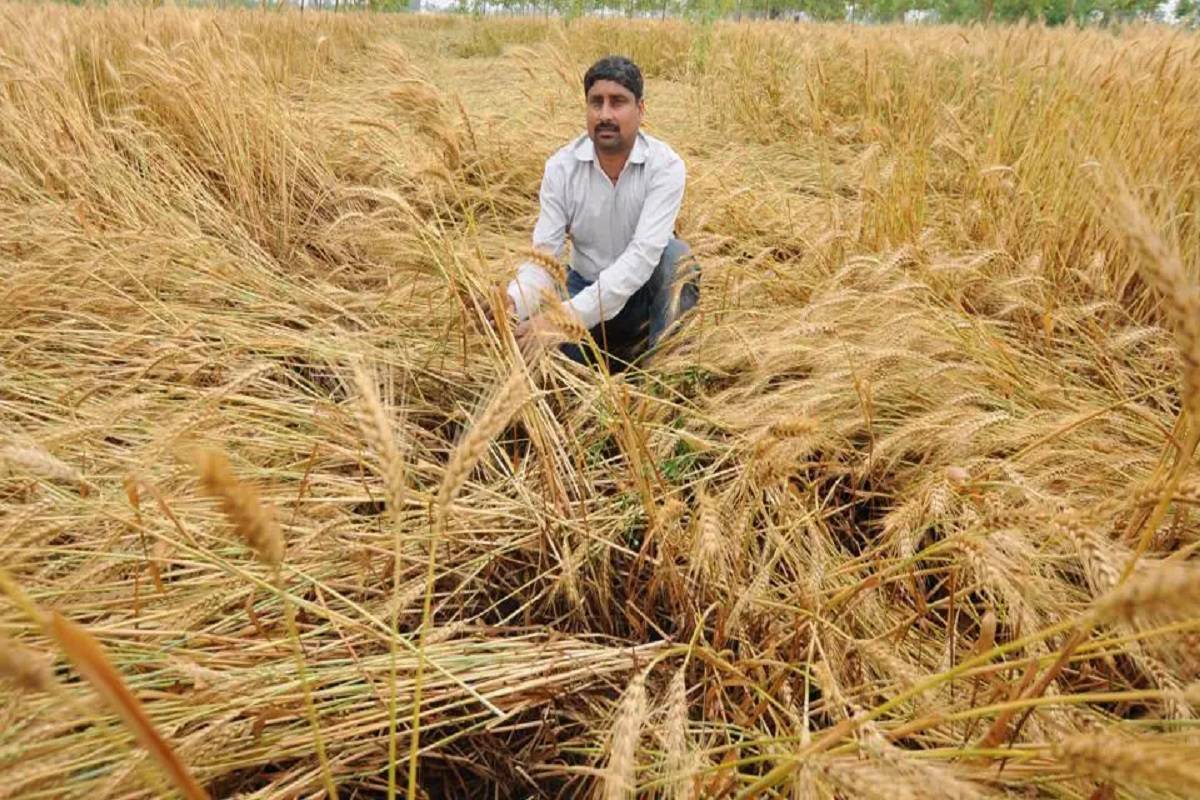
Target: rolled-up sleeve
(605, 298)
(549, 235)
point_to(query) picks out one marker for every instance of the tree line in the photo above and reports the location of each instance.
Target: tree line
(1052, 12)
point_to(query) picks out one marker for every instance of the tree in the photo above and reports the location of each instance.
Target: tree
(823, 9)
(882, 10)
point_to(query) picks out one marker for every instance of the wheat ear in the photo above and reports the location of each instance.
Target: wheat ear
(255, 522)
(503, 405)
(620, 774)
(710, 548)
(1129, 761)
(676, 737)
(33, 459)
(565, 323)
(241, 505)
(1164, 269)
(28, 669)
(1172, 589)
(375, 425)
(549, 263)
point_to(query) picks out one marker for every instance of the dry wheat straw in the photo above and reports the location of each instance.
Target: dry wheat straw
(504, 404)
(957, 289)
(89, 658)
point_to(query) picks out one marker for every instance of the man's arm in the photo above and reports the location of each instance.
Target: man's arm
(549, 234)
(605, 298)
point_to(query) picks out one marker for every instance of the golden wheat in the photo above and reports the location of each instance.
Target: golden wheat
(376, 427)
(24, 667)
(547, 261)
(675, 739)
(501, 407)
(620, 773)
(253, 521)
(90, 659)
(913, 479)
(1125, 760)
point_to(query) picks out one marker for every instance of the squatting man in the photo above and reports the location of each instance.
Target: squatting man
(615, 191)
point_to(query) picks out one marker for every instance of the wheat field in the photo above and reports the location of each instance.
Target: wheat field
(907, 510)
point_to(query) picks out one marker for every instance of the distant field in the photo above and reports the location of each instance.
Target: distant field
(908, 511)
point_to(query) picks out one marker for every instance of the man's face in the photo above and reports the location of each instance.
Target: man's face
(613, 116)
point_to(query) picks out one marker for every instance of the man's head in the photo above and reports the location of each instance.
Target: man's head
(613, 90)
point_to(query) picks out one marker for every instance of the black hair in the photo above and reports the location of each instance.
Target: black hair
(618, 69)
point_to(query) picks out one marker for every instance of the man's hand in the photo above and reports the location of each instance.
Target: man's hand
(489, 313)
(535, 333)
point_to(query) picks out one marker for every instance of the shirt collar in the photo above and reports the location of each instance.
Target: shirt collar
(585, 150)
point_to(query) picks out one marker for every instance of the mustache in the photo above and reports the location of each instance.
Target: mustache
(612, 128)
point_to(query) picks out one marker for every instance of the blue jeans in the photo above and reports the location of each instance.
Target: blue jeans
(648, 314)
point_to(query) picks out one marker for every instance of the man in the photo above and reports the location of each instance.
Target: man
(616, 192)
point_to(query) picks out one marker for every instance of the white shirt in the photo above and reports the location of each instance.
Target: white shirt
(618, 232)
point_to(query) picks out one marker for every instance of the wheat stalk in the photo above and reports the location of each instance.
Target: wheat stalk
(376, 428)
